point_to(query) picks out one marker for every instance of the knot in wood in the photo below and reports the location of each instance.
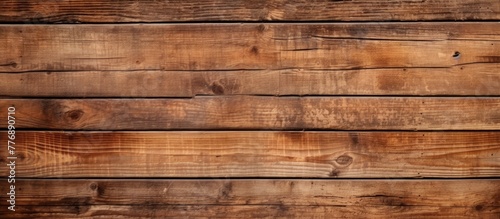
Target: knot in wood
(344, 160)
(74, 115)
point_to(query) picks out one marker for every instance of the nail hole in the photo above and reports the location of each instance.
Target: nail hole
(456, 55)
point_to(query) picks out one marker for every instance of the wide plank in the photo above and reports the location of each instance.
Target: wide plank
(187, 47)
(257, 113)
(255, 198)
(475, 79)
(256, 154)
(107, 11)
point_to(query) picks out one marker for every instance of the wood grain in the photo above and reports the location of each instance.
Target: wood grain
(257, 154)
(187, 47)
(257, 113)
(98, 11)
(248, 211)
(475, 79)
(256, 198)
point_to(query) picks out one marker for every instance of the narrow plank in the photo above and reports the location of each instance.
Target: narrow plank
(256, 198)
(247, 211)
(475, 79)
(71, 11)
(246, 46)
(257, 113)
(257, 154)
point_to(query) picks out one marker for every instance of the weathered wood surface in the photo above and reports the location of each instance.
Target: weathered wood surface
(99, 11)
(256, 198)
(360, 74)
(257, 154)
(257, 113)
(247, 46)
(476, 79)
(248, 211)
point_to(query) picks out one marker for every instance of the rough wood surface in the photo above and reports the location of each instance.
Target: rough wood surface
(247, 46)
(476, 79)
(249, 211)
(257, 113)
(257, 154)
(252, 108)
(256, 198)
(71, 11)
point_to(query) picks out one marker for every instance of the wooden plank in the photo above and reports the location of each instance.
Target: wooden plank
(71, 11)
(256, 198)
(247, 46)
(257, 154)
(257, 113)
(475, 79)
(247, 211)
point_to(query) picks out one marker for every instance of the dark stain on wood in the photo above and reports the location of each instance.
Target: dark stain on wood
(478, 207)
(491, 59)
(225, 191)
(261, 28)
(254, 50)
(76, 201)
(217, 88)
(334, 173)
(100, 189)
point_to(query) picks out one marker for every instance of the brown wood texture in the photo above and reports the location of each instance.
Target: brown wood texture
(257, 154)
(257, 113)
(474, 79)
(257, 198)
(251, 108)
(247, 46)
(99, 11)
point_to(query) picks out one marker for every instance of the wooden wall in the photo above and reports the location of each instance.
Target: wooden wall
(251, 109)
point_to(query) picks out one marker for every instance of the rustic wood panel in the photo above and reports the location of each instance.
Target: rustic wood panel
(257, 198)
(257, 113)
(247, 46)
(325, 90)
(476, 79)
(257, 154)
(71, 11)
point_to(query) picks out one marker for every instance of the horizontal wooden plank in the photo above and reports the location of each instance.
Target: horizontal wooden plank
(71, 11)
(257, 113)
(476, 79)
(247, 211)
(247, 46)
(256, 154)
(256, 198)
